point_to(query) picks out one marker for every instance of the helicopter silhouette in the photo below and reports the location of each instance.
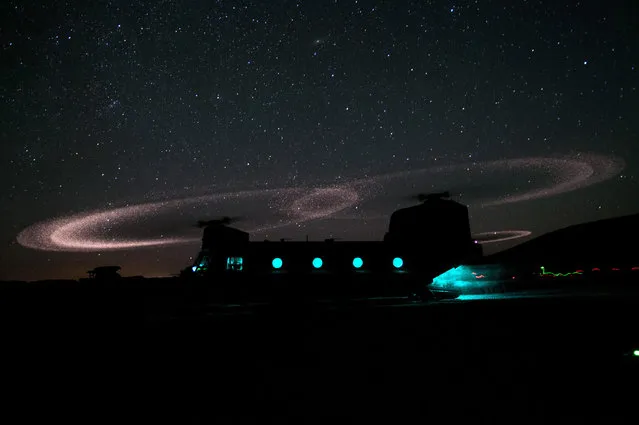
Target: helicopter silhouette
(423, 197)
(220, 221)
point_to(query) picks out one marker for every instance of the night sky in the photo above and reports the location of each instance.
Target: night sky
(129, 121)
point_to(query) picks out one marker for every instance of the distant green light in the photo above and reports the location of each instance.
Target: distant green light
(398, 262)
(358, 262)
(317, 262)
(635, 353)
(277, 263)
(545, 273)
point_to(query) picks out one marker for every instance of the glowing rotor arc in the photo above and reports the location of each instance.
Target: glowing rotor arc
(500, 236)
(567, 173)
(85, 232)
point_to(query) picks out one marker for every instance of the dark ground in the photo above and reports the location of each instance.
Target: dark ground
(100, 356)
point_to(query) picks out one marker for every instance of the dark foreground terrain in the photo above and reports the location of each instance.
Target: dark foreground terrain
(101, 355)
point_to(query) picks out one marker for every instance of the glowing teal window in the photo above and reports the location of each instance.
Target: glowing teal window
(277, 263)
(234, 263)
(317, 262)
(358, 262)
(398, 262)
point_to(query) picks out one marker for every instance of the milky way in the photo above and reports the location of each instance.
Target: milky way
(276, 208)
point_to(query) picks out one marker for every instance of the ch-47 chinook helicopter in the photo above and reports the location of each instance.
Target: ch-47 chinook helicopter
(422, 242)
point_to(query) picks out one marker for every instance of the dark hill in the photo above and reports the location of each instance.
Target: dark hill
(604, 243)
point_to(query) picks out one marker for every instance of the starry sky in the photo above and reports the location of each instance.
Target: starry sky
(111, 104)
